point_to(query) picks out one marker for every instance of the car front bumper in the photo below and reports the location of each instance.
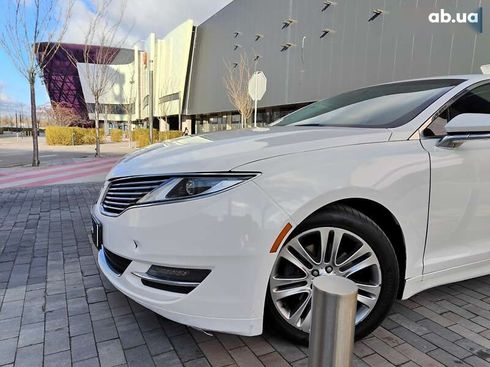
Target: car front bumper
(230, 234)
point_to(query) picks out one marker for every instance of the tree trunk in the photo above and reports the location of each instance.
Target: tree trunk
(35, 142)
(242, 121)
(130, 131)
(97, 138)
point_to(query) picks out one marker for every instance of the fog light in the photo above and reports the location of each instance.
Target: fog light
(178, 274)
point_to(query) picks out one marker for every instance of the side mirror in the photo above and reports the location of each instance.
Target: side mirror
(464, 127)
(469, 123)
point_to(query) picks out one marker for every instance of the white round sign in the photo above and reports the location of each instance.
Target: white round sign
(257, 86)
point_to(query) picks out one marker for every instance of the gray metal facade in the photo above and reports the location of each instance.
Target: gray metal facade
(399, 44)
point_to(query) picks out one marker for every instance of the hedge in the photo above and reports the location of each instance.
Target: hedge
(116, 135)
(57, 135)
(142, 136)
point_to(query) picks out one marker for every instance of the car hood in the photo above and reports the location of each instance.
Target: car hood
(224, 151)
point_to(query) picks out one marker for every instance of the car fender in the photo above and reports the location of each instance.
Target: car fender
(395, 175)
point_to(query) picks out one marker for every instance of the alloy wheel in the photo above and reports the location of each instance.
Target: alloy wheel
(321, 252)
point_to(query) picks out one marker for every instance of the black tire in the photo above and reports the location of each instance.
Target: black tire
(344, 217)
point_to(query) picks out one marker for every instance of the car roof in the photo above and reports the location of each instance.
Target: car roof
(465, 77)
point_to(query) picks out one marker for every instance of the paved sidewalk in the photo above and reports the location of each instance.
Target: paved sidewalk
(17, 152)
(56, 308)
(76, 171)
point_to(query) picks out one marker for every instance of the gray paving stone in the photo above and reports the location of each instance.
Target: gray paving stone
(30, 356)
(409, 324)
(186, 347)
(447, 345)
(446, 333)
(92, 362)
(274, 360)
(386, 351)
(110, 353)
(60, 359)
(9, 328)
(258, 345)
(56, 319)
(169, 359)
(447, 359)
(32, 314)
(8, 348)
(11, 309)
(289, 351)
(83, 347)
(53, 301)
(14, 294)
(96, 294)
(105, 329)
(244, 357)
(31, 334)
(215, 353)
(139, 356)
(413, 339)
(56, 341)
(157, 342)
(80, 324)
(77, 306)
(476, 362)
(147, 320)
(129, 332)
(99, 311)
(201, 362)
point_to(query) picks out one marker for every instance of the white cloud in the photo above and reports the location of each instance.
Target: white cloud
(142, 17)
(7, 104)
(4, 98)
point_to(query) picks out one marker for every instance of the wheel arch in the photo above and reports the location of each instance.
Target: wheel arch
(388, 223)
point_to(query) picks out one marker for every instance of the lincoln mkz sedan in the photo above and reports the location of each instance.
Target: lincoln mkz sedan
(388, 186)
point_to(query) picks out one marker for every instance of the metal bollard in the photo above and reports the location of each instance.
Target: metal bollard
(334, 307)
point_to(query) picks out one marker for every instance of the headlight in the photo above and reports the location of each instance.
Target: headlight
(180, 188)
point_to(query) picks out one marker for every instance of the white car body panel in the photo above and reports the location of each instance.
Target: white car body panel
(459, 232)
(225, 230)
(225, 150)
(395, 175)
(303, 169)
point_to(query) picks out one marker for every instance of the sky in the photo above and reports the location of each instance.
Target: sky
(140, 18)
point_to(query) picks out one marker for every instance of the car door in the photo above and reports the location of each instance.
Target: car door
(458, 231)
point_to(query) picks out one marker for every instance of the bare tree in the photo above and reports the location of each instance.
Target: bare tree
(61, 114)
(167, 98)
(236, 82)
(31, 36)
(102, 42)
(129, 104)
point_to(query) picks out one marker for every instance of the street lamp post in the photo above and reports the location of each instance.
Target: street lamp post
(151, 96)
(150, 99)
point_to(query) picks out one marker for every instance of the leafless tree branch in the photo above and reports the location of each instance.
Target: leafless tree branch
(102, 42)
(32, 34)
(236, 84)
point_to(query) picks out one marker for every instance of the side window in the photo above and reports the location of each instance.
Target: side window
(474, 101)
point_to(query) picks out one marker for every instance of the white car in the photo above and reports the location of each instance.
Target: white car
(388, 186)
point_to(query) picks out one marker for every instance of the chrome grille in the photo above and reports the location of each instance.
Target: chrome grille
(124, 192)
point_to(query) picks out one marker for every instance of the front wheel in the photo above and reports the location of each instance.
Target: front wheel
(339, 241)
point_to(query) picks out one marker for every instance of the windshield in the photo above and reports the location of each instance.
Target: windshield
(381, 106)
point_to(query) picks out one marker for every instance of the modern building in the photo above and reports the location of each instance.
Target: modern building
(308, 50)
(160, 70)
(63, 77)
